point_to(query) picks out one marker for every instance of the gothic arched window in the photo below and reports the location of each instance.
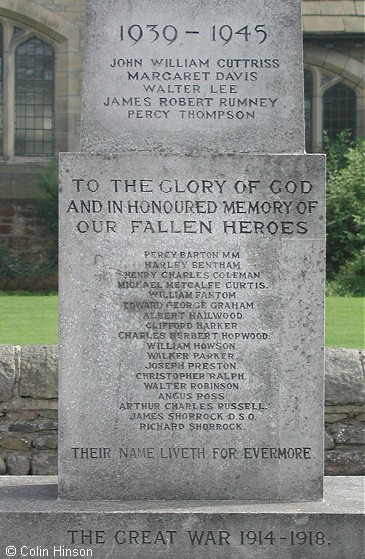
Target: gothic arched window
(27, 96)
(339, 110)
(34, 98)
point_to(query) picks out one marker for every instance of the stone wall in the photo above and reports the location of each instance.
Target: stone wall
(345, 412)
(28, 411)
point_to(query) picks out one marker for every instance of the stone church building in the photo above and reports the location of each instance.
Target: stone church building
(41, 44)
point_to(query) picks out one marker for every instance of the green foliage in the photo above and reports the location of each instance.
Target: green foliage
(350, 278)
(18, 273)
(47, 208)
(346, 219)
(336, 151)
(47, 202)
(13, 265)
(21, 272)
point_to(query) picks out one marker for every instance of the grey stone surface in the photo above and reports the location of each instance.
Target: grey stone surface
(349, 432)
(227, 92)
(2, 466)
(38, 372)
(344, 377)
(335, 417)
(17, 465)
(351, 460)
(14, 441)
(31, 404)
(350, 410)
(329, 442)
(19, 415)
(44, 464)
(7, 373)
(195, 339)
(32, 516)
(49, 440)
(32, 426)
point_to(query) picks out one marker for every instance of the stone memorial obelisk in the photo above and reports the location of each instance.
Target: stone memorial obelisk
(192, 229)
(192, 257)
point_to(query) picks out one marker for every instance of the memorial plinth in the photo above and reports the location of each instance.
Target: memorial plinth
(193, 328)
(332, 529)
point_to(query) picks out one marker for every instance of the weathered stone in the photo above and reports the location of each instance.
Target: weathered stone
(49, 414)
(229, 96)
(360, 417)
(38, 372)
(329, 441)
(18, 464)
(45, 441)
(344, 377)
(360, 7)
(350, 432)
(104, 354)
(32, 427)
(2, 467)
(31, 515)
(14, 441)
(44, 464)
(334, 417)
(349, 410)
(338, 8)
(151, 290)
(33, 404)
(346, 462)
(21, 415)
(311, 7)
(7, 372)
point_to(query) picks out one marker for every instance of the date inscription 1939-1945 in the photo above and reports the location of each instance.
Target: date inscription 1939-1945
(169, 33)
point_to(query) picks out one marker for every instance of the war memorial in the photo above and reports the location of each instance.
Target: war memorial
(192, 261)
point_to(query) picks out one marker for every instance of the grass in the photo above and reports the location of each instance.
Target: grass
(27, 320)
(33, 320)
(345, 322)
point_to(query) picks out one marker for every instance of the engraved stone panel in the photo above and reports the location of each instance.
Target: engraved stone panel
(192, 327)
(332, 529)
(212, 75)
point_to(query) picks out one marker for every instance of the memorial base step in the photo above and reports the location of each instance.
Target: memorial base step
(34, 523)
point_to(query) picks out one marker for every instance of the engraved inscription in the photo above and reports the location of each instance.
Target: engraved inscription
(249, 536)
(187, 312)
